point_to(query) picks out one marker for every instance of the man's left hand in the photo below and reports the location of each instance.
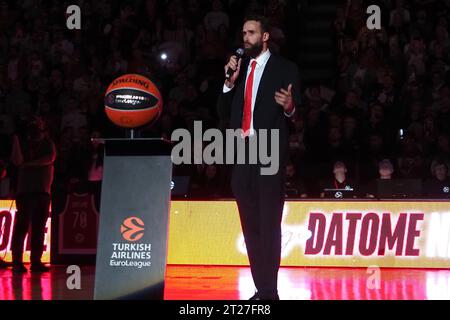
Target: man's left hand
(284, 99)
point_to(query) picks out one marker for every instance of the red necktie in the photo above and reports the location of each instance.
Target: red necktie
(247, 117)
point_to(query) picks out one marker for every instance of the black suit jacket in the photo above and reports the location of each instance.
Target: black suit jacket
(267, 114)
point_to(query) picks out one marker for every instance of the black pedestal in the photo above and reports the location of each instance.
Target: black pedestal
(134, 214)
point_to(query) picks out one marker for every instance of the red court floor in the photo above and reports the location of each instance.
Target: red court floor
(235, 283)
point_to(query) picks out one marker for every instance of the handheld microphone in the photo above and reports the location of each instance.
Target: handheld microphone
(239, 53)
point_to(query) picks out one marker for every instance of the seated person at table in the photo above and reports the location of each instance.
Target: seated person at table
(293, 187)
(339, 181)
(439, 186)
(386, 172)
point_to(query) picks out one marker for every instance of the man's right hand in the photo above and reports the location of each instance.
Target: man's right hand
(233, 64)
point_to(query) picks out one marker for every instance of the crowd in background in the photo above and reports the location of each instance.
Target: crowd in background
(393, 94)
(391, 99)
(390, 102)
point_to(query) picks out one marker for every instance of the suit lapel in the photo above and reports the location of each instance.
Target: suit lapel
(240, 90)
(264, 81)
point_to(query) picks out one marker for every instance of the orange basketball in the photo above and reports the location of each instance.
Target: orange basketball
(132, 101)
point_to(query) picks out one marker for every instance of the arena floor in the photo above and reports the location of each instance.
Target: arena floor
(235, 283)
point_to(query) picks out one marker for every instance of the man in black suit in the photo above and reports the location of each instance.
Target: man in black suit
(261, 94)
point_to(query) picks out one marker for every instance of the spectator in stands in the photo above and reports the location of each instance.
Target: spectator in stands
(340, 181)
(5, 152)
(438, 187)
(443, 147)
(216, 17)
(18, 101)
(207, 183)
(385, 171)
(422, 25)
(95, 171)
(401, 13)
(294, 188)
(34, 155)
(355, 17)
(443, 110)
(74, 118)
(353, 106)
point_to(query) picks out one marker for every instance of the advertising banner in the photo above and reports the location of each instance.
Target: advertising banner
(7, 216)
(337, 233)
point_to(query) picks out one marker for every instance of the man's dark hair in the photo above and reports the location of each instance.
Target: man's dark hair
(265, 24)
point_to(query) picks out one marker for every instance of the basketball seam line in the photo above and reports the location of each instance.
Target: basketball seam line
(129, 88)
(131, 110)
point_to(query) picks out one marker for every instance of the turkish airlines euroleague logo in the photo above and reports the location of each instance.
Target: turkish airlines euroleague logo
(132, 229)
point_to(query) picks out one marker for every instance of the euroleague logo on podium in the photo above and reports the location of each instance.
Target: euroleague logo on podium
(132, 229)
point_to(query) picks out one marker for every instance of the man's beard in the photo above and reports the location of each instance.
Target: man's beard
(254, 50)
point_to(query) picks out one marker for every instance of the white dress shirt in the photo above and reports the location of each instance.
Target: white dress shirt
(261, 63)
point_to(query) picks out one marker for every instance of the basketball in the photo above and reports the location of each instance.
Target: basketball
(132, 101)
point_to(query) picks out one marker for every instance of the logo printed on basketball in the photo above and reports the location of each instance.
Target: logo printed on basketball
(132, 229)
(135, 98)
(110, 99)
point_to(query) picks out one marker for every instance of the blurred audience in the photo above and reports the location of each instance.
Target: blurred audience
(390, 98)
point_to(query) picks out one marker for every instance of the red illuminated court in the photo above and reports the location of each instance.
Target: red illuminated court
(235, 283)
